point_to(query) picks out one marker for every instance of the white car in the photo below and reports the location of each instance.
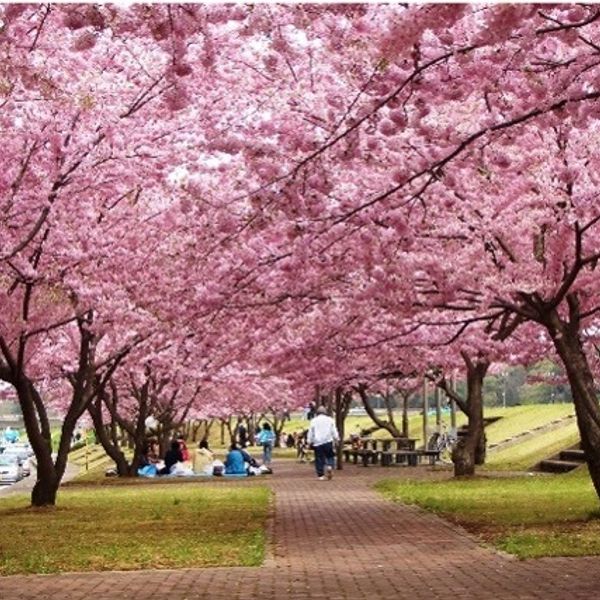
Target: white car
(21, 454)
(23, 449)
(10, 469)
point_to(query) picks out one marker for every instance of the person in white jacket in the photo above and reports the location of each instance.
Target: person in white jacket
(322, 435)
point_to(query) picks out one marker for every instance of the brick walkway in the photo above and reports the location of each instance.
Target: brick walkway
(339, 540)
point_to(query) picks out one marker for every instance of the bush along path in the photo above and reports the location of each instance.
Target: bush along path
(339, 540)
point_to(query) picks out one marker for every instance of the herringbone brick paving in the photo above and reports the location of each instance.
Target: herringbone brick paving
(340, 540)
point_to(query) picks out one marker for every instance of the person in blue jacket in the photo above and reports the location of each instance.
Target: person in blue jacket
(234, 463)
(266, 439)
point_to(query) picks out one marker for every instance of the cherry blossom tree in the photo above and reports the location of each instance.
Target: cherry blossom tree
(331, 195)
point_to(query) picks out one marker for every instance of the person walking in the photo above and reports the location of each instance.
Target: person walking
(322, 434)
(266, 438)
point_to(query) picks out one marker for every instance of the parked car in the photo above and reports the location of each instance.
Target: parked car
(21, 450)
(10, 469)
(25, 448)
(21, 453)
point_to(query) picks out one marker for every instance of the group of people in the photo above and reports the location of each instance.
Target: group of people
(321, 436)
(178, 460)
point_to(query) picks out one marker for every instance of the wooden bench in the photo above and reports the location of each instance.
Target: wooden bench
(410, 457)
(432, 455)
(390, 457)
(366, 456)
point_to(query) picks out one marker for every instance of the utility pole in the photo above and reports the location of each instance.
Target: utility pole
(437, 394)
(425, 411)
(453, 404)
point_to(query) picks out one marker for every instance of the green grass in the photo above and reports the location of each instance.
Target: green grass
(135, 527)
(530, 516)
(517, 419)
(524, 455)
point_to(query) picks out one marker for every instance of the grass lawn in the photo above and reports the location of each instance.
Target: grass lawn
(530, 516)
(135, 527)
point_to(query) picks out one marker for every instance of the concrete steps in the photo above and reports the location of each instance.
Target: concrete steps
(563, 462)
(574, 454)
(558, 466)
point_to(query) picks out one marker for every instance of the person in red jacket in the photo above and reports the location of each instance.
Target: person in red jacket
(183, 447)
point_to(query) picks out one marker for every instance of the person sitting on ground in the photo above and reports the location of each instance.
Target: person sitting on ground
(172, 457)
(248, 459)
(183, 447)
(234, 463)
(145, 457)
(150, 459)
(252, 466)
(203, 459)
(151, 453)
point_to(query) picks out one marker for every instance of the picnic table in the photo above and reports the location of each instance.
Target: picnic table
(386, 444)
(388, 451)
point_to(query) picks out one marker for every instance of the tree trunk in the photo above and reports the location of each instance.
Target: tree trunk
(230, 430)
(48, 472)
(45, 489)
(405, 425)
(467, 450)
(342, 406)
(110, 445)
(481, 448)
(389, 425)
(568, 345)
(201, 429)
(251, 428)
(207, 428)
(278, 425)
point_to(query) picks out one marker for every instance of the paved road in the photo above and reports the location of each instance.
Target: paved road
(340, 540)
(26, 484)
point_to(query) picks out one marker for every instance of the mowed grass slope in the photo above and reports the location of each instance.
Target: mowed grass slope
(137, 527)
(529, 516)
(527, 453)
(515, 419)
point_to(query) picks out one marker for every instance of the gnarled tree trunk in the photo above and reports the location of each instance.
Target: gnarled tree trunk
(388, 424)
(568, 345)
